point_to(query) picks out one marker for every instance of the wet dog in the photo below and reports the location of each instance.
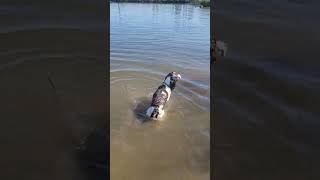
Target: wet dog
(162, 96)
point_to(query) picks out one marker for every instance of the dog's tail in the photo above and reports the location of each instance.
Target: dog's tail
(155, 113)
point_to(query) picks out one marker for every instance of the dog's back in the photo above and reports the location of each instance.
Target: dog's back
(159, 99)
(162, 96)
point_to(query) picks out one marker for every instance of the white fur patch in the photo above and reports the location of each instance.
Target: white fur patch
(169, 92)
(151, 109)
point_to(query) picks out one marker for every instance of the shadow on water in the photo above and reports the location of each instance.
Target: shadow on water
(92, 156)
(91, 148)
(141, 105)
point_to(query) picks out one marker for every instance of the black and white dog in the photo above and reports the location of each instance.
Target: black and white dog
(162, 96)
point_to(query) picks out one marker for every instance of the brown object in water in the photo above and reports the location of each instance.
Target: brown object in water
(219, 47)
(213, 50)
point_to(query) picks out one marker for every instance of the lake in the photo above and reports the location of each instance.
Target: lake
(53, 133)
(266, 90)
(147, 41)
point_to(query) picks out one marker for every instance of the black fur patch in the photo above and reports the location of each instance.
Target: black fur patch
(155, 112)
(158, 97)
(173, 80)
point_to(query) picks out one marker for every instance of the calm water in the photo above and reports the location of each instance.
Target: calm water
(53, 134)
(147, 42)
(266, 108)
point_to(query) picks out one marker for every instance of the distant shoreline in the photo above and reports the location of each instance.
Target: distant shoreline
(150, 1)
(201, 3)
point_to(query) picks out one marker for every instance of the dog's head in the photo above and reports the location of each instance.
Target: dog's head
(171, 79)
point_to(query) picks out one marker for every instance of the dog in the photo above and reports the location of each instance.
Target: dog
(162, 96)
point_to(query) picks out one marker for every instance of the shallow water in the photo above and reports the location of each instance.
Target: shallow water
(147, 42)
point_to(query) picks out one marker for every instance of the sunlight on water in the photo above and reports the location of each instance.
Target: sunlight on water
(147, 42)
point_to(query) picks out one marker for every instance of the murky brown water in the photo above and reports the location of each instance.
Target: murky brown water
(42, 127)
(266, 117)
(147, 42)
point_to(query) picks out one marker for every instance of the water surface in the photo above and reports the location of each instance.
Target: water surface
(147, 42)
(53, 133)
(266, 115)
